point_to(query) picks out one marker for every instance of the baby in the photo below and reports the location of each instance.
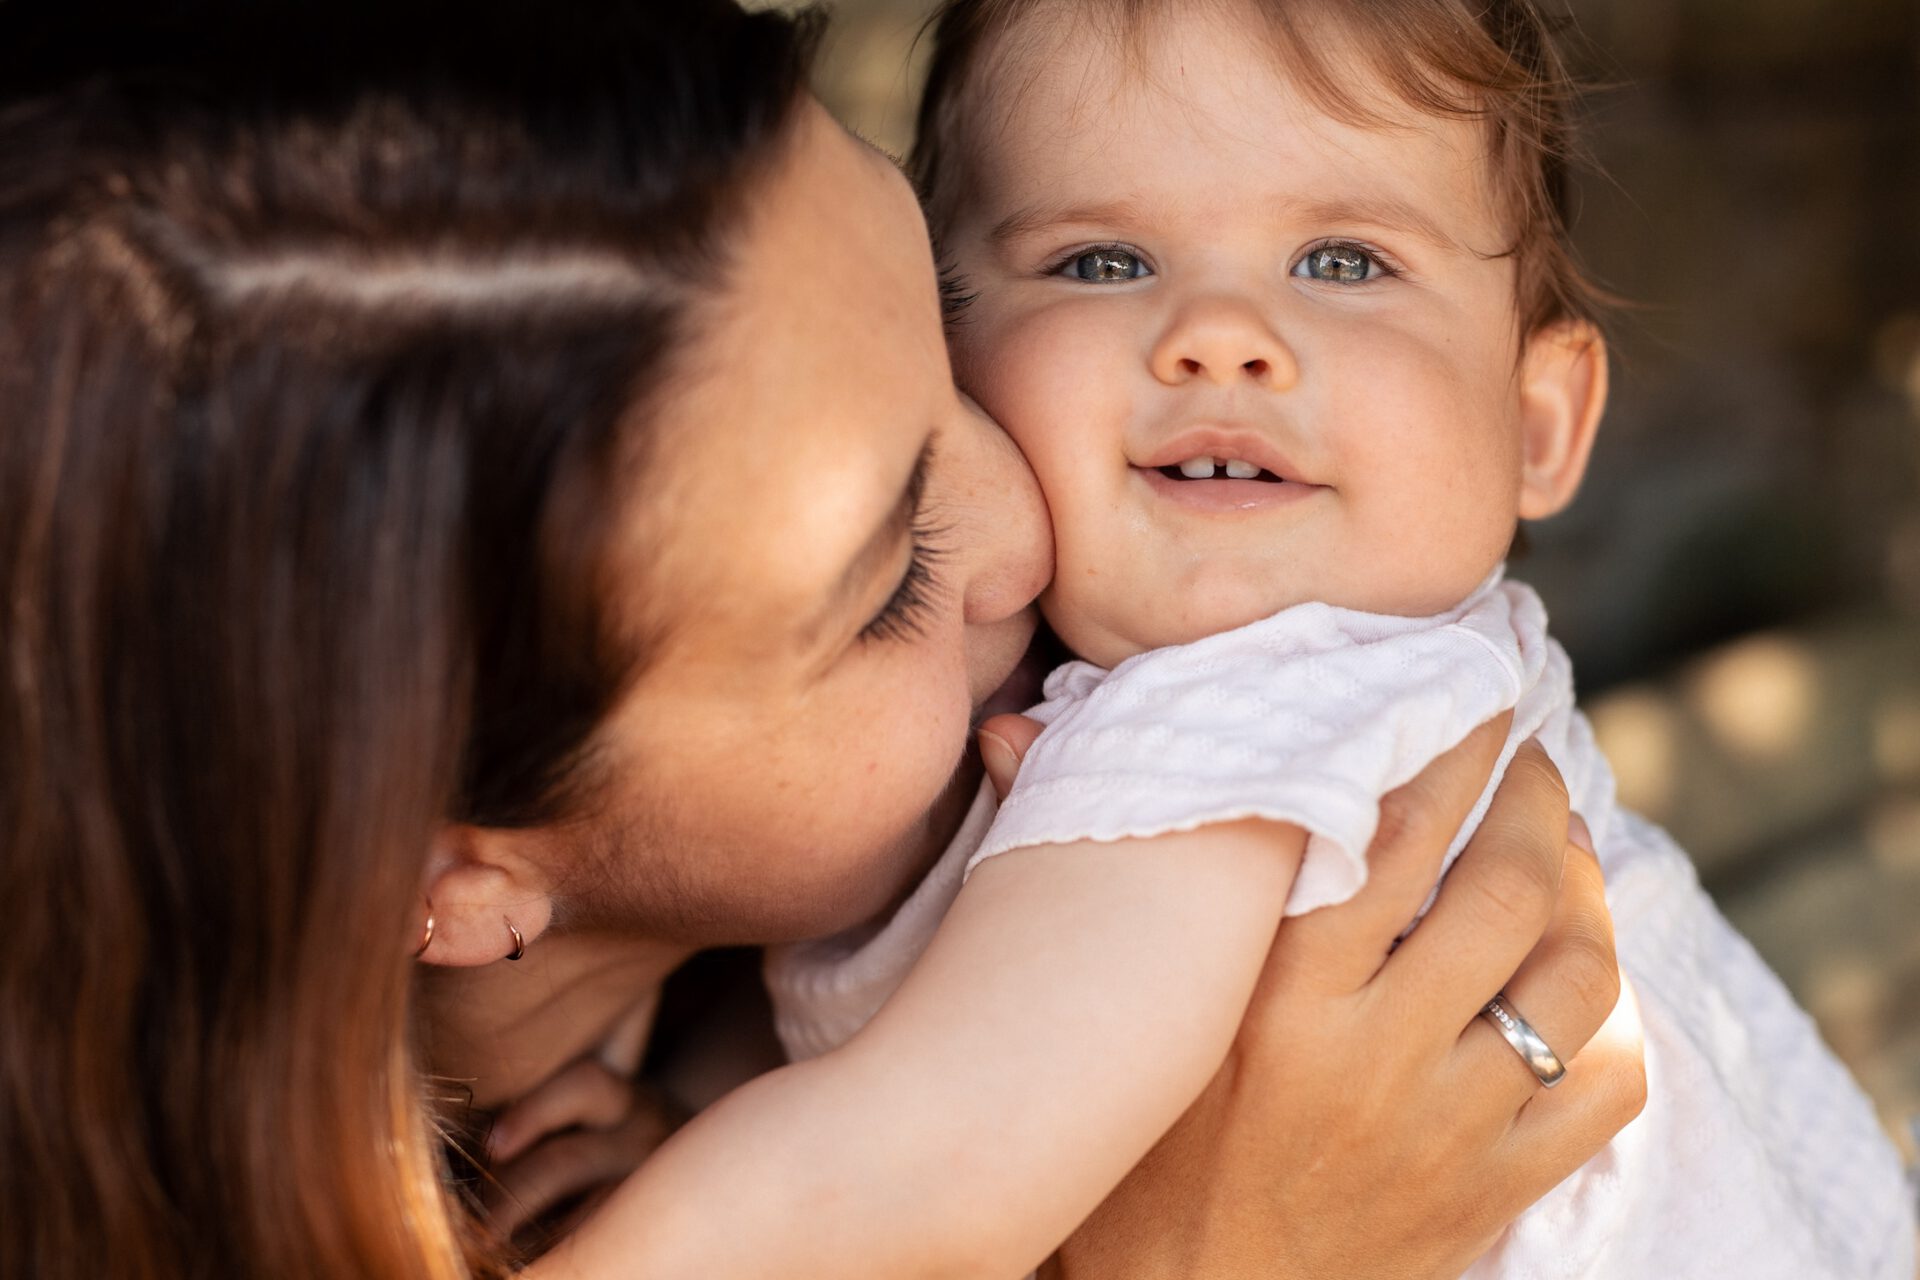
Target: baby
(1276, 299)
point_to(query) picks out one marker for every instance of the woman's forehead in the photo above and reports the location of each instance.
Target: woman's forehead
(806, 394)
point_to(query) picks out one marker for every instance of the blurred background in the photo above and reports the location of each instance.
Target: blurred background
(1739, 582)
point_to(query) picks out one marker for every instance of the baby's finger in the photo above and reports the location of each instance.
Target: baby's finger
(1347, 943)
(1496, 901)
(1565, 988)
(572, 1164)
(1004, 740)
(552, 1173)
(584, 1095)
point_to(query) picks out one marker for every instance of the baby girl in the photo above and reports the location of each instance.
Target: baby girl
(1276, 299)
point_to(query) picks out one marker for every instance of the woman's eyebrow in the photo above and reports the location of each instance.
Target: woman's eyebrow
(874, 554)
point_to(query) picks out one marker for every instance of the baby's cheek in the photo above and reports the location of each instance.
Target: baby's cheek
(1431, 544)
(1100, 604)
(1046, 373)
(1079, 617)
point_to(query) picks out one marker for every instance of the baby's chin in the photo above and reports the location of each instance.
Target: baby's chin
(1107, 628)
(1108, 631)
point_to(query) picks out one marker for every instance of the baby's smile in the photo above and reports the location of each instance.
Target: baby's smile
(1217, 471)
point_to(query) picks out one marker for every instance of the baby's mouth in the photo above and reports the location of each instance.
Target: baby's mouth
(1205, 467)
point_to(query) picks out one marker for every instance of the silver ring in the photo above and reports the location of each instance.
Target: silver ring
(1541, 1060)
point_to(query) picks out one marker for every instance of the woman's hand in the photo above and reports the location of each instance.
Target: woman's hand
(1367, 1122)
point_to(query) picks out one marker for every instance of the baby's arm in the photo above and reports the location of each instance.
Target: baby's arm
(1074, 1002)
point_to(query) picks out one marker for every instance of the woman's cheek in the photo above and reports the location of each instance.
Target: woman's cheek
(917, 742)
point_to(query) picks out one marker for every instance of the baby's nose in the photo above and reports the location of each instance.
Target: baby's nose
(1223, 341)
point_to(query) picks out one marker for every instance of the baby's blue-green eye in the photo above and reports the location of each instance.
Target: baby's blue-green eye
(1104, 266)
(1340, 264)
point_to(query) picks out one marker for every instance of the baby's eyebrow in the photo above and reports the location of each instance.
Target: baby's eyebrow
(1389, 212)
(1034, 218)
(1378, 210)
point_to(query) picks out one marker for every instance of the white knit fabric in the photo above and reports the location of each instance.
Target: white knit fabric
(1756, 1157)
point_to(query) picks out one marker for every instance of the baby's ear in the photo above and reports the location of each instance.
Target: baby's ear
(1563, 389)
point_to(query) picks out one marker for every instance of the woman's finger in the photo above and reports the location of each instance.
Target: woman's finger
(1346, 944)
(1565, 988)
(1557, 1131)
(584, 1095)
(1497, 899)
(1605, 1088)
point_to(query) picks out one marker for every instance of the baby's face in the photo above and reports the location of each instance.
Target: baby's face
(1256, 356)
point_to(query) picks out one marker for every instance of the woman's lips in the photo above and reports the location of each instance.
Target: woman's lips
(1225, 495)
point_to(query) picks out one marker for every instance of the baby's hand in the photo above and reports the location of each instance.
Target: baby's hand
(1004, 740)
(556, 1152)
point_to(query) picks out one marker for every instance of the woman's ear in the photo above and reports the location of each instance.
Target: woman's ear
(487, 895)
(1563, 390)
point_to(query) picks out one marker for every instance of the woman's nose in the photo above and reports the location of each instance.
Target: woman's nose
(1224, 341)
(1009, 542)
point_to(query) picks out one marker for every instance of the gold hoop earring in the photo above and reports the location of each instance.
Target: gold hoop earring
(426, 937)
(519, 943)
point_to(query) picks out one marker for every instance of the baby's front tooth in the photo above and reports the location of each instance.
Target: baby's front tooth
(1197, 468)
(1242, 470)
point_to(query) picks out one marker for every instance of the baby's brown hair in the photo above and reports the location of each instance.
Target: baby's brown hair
(1496, 61)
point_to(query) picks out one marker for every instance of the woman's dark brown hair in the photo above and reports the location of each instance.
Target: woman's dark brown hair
(327, 336)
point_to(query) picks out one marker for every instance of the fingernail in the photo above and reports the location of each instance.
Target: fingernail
(1578, 833)
(997, 754)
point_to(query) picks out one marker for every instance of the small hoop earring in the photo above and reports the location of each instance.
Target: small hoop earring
(426, 938)
(519, 943)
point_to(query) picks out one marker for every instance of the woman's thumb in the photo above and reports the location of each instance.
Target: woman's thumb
(1004, 740)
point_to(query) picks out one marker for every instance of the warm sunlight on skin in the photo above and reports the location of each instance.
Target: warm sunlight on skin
(848, 555)
(1176, 266)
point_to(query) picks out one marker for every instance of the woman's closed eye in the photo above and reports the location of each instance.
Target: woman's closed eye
(1101, 264)
(905, 613)
(1343, 262)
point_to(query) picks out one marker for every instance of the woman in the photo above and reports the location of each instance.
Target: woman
(494, 491)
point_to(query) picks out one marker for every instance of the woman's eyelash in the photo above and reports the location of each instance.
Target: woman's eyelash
(904, 616)
(955, 296)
